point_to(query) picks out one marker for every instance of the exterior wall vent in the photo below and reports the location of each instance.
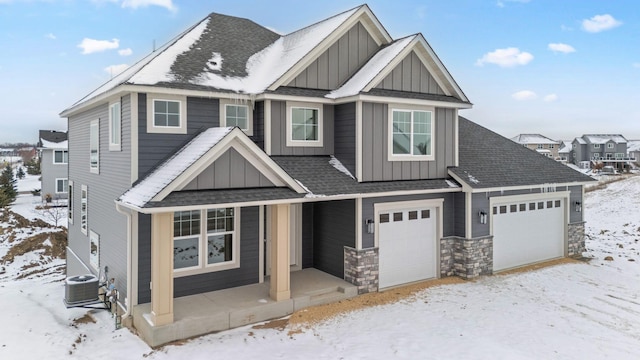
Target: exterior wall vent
(81, 289)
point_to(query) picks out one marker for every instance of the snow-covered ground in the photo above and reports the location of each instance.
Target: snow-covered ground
(587, 310)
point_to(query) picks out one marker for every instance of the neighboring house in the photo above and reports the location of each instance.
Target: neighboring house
(607, 149)
(633, 149)
(218, 174)
(539, 143)
(564, 153)
(54, 159)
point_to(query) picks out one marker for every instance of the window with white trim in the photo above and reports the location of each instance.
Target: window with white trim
(540, 146)
(115, 127)
(62, 185)
(60, 157)
(304, 124)
(205, 240)
(596, 155)
(70, 203)
(166, 114)
(596, 146)
(233, 113)
(411, 134)
(610, 146)
(83, 209)
(94, 250)
(94, 146)
(619, 155)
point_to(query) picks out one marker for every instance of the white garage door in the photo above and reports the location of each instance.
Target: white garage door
(527, 231)
(407, 245)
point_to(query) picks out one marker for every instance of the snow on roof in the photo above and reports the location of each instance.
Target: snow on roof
(633, 145)
(149, 187)
(268, 65)
(54, 145)
(533, 139)
(604, 138)
(338, 165)
(580, 141)
(371, 69)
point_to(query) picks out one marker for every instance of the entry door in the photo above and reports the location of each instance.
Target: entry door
(407, 245)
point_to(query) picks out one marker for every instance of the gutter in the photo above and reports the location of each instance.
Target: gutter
(129, 303)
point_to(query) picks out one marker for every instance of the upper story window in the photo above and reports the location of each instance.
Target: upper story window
(60, 157)
(205, 240)
(70, 202)
(610, 146)
(304, 124)
(540, 146)
(596, 146)
(551, 146)
(236, 114)
(94, 147)
(115, 127)
(411, 134)
(83, 209)
(166, 114)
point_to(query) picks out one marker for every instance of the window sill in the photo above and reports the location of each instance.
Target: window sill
(206, 269)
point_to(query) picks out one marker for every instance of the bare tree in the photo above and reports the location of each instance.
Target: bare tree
(52, 211)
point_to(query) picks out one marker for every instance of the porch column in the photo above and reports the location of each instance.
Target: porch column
(162, 269)
(279, 284)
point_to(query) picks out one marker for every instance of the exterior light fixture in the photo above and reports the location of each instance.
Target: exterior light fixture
(370, 226)
(482, 217)
(578, 206)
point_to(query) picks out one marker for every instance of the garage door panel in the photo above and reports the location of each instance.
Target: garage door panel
(527, 232)
(407, 247)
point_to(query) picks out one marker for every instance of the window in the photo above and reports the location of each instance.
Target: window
(551, 146)
(94, 250)
(115, 125)
(411, 135)
(60, 157)
(596, 155)
(166, 114)
(61, 186)
(540, 146)
(610, 146)
(235, 114)
(596, 146)
(619, 155)
(304, 124)
(83, 209)
(397, 216)
(94, 147)
(207, 245)
(384, 218)
(70, 202)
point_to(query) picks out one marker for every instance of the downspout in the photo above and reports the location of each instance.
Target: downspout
(127, 212)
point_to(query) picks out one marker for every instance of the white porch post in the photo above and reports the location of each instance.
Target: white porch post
(162, 269)
(280, 288)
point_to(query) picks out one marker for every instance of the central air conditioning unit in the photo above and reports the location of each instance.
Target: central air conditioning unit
(81, 289)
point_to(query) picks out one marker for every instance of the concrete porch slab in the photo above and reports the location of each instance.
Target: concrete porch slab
(225, 309)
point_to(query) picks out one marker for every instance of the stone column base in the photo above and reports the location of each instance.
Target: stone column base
(466, 258)
(361, 269)
(576, 243)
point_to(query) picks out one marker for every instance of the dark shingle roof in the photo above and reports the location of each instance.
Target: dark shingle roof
(489, 160)
(51, 136)
(223, 196)
(414, 95)
(294, 91)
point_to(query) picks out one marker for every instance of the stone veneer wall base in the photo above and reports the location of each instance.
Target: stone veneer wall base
(466, 258)
(361, 268)
(575, 242)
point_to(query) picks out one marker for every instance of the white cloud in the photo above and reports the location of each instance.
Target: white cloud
(501, 3)
(90, 46)
(125, 52)
(49, 35)
(550, 98)
(134, 4)
(524, 95)
(508, 57)
(560, 47)
(600, 23)
(114, 70)
(566, 28)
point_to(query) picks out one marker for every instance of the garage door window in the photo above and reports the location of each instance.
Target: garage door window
(513, 208)
(523, 207)
(384, 218)
(426, 214)
(541, 205)
(413, 215)
(549, 204)
(557, 203)
(397, 216)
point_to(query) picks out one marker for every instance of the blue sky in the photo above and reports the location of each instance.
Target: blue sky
(558, 68)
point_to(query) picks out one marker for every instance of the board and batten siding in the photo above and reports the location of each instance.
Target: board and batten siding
(103, 188)
(375, 140)
(345, 135)
(49, 173)
(246, 274)
(368, 212)
(258, 124)
(339, 62)
(155, 147)
(279, 132)
(333, 230)
(230, 170)
(411, 75)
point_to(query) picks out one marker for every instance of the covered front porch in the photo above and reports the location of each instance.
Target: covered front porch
(225, 309)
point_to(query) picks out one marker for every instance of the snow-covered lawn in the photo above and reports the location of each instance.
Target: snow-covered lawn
(587, 310)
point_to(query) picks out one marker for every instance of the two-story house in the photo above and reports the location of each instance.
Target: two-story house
(540, 143)
(54, 158)
(231, 174)
(608, 149)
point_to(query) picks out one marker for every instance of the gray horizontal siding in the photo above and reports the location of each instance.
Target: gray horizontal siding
(153, 147)
(49, 173)
(375, 140)
(230, 170)
(103, 188)
(448, 213)
(339, 62)
(333, 229)
(279, 132)
(411, 75)
(345, 135)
